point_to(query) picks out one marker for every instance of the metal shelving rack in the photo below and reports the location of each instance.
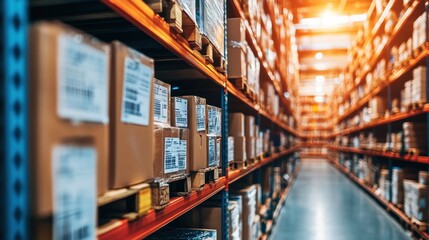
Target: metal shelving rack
(14, 190)
(384, 124)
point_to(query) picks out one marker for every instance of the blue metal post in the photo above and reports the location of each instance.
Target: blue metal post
(13, 121)
(224, 102)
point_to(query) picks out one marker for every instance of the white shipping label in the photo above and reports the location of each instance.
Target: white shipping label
(136, 93)
(82, 81)
(171, 154)
(212, 119)
(160, 103)
(182, 154)
(74, 179)
(181, 110)
(211, 151)
(201, 117)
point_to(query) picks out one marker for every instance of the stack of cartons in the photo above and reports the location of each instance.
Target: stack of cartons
(237, 229)
(377, 107)
(384, 187)
(237, 49)
(416, 200)
(418, 91)
(249, 133)
(214, 120)
(415, 137)
(69, 117)
(248, 210)
(236, 130)
(419, 32)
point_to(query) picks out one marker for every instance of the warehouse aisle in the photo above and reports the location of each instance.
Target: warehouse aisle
(324, 204)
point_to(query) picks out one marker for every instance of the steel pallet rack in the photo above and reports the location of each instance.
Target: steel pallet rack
(13, 123)
(359, 69)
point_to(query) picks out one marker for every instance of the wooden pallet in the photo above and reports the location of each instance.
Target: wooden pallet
(129, 203)
(178, 20)
(204, 176)
(241, 84)
(418, 50)
(413, 151)
(163, 189)
(421, 226)
(212, 55)
(241, 164)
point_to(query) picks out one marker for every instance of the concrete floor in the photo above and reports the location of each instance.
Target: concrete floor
(325, 205)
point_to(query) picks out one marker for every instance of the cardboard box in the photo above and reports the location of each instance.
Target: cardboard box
(250, 147)
(236, 32)
(240, 153)
(238, 199)
(131, 114)
(213, 155)
(197, 112)
(171, 152)
(230, 149)
(236, 124)
(68, 116)
(179, 112)
(249, 126)
(212, 217)
(248, 210)
(237, 67)
(161, 103)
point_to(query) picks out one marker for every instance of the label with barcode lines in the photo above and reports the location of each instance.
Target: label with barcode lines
(136, 92)
(82, 81)
(182, 154)
(181, 111)
(161, 103)
(201, 117)
(74, 179)
(212, 120)
(212, 151)
(171, 154)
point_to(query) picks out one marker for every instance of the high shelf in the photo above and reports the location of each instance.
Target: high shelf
(179, 63)
(381, 111)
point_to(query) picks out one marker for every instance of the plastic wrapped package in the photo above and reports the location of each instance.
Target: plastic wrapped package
(184, 234)
(210, 20)
(190, 7)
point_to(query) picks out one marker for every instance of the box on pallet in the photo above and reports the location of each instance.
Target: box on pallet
(69, 116)
(236, 124)
(171, 153)
(240, 149)
(248, 209)
(131, 117)
(416, 200)
(237, 49)
(210, 21)
(250, 147)
(197, 117)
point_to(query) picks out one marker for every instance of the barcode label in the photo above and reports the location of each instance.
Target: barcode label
(218, 147)
(182, 154)
(136, 93)
(161, 103)
(181, 111)
(171, 155)
(201, 117)
(82, 81)
(211, 151)
(74, 192)
(211, 112)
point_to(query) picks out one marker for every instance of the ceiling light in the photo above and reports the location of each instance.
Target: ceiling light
(318, 55)
(320, 79)
(319, 89)
(286, 94)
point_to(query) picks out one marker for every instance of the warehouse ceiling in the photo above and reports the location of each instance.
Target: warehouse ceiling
(325, 30)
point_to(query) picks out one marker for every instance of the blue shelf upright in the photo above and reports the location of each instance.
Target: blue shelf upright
(13, 121)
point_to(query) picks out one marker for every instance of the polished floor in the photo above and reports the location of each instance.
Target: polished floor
(325, 205)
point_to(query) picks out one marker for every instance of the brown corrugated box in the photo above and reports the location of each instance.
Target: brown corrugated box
(237, 67)
(236, 124)
(171, 136)
(131, 145)
(249, 126)
(47, 128)
(179, 112)
(197, 136)
(236, 31)
(240, 149)
(161, 102)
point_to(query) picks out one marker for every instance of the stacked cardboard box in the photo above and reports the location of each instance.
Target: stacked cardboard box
(236, 130)
(384, 184)
(248, 210)
(69, 124)
(397, 186)
(237, 228)
(377, 107)
(415, 136)
(418, 91)
(416, 200)
(419, 31)
(237, 48)
(214, 122)
(249, 133)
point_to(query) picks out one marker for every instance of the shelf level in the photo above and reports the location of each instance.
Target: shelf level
(408, 158)
(155, 220)
(239, 173)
